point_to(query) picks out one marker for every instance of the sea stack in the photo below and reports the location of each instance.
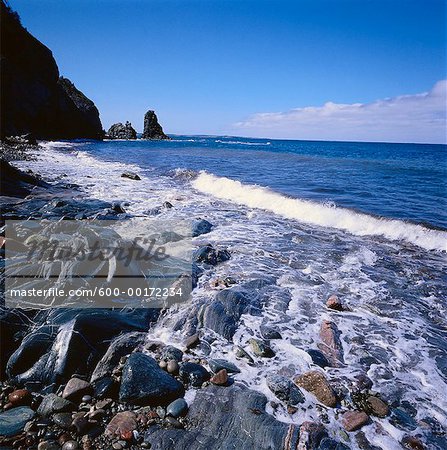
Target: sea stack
(152, 129)
(120, 131)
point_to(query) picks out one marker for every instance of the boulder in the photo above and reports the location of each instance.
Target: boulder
(76, 388)
(219, 364)
(354, 420)
(201, 226)
(285, 390)
(260, 348)
(331, 344)
(13, 421)
(120, 131)
(317, 384)
(210, 256)
(193, 373)
(144, 383)
(152, 129)
(52, 403)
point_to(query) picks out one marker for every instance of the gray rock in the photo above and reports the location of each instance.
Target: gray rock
(119, 347)
(201, 226)
(48, 445)
(144, 383)
(226, 418)
(209, 255)
(318, 358)
(219, 364)
(131, 176)
(120, 131)
(177, 408)
(76, 388)
(70, 445)
(193, 373)
(152, 129)
(268, 332)
(171, 352)
(13, 421)
(63, 420)
(330, 444)
(52, 403)
(261, 348)
(285, 390)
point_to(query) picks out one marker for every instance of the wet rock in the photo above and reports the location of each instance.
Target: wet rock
(354, 420)
(131, 176)
(209, 255)
(217, 364)
(329, 444)
(402, 419)
(48, 445)
(192, 341)
(227, 418)
(193, 373)
(13, 421)
(412, 442)
(362, 383)
(220, 378)
(163, 364)
(122, 424)
(76, 388)
(120, 131)
(177, 408)
(172, 421)
(20, 397)
(62, 420)
(172, 367)
(260, 348)
(241, 353)
(52, 403)
(70, 445)
(172, 353)
(331, 344)
(268, 332)
(317, 384)
(285, 390)
(333, 302)
(201, 227)
(152, 129)
(80, 425)
(311, 434)
(376, 406)
(363, 442)
(119, 347)
(105, 387)
(318, 358)
(144, 383)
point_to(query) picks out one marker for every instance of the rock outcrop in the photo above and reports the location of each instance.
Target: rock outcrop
(152, 129)
(120, 131)
(34, 99)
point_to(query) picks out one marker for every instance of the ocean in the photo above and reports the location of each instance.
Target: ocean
(365, 221)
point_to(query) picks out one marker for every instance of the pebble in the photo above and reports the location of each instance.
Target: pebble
(48, 445)
(70, 445)
(63, 420)
(76, 388)
(219, 364)
(163, 364)
(192, 341)
(260, 348)
(177, 408)
(174, 422)
(354, 420)
(333, 302)
(20, 397)
(161, 412)
(377, 406)
(87, 398)
(172, 367)
(80, 425)
(220, 378)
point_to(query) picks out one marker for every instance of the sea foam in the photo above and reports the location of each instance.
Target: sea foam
(323, 215)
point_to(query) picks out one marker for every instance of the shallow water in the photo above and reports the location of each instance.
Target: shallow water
(389, 272)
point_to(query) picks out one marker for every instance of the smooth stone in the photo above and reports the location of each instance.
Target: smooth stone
(171, 352)
(86, 399)
(52, 403)
(13, 421)
(130, 175)
(354, 420)
(80, 425)
(285, 389)
(48, 445)
(117, 446)
(177, 408)
(20, 397)
(76, 388)
(318, 358)
(220, 378)
(218, 364)
(268, 332)
(122, 424)
(144, 383)
(105, 387)
(377, 407)
(193, 373)
(70, 445)
(317, 384)
(192, 341)
(172, 367)
(63, 420)
(163, 364)
(174, 422)
(201, 227)
(260, 348)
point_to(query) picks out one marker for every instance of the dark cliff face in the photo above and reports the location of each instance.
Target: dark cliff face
(33, 97)
(152, 129)
(120, 131)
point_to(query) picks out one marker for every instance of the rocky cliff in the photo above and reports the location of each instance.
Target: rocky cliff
(152, 129)
(34, 99)
(120, 131)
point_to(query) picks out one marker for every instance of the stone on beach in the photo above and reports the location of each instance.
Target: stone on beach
(120, 131)
(13, 421)
(218, 364)
(260, 348)
(144, 383)
(268, 332)
(52, 403)
(177, 408)
(20, 397)
(76, 388)
(131, 176)
(333, 302)
(200, 227)
(311, 433)
(285, 389)
(220, 378)
(354, 420)
(121, 424)
(317, 384)
(193, 373)
(331, 344)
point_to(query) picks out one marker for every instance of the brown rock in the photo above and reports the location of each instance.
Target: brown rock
(20, 397)
(192, 341)
(80, 425)
(354, 420)
(121, 424)
(331, 344)
(163, 364)
(377, 407)
(172, 367)
(220, 378)
(76, 389)
(104, 404)
(412, 442)
(317, 384)
(333, 302)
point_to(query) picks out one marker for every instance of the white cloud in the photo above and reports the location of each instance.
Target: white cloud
(407, 118)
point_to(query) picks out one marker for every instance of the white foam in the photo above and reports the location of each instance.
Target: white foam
(313, 213)
(241, 142)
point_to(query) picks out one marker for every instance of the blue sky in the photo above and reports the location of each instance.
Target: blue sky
(221, 67)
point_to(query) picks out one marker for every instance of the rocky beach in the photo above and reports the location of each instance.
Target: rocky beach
(296, 334)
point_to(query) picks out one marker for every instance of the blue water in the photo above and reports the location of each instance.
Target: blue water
(402, 181)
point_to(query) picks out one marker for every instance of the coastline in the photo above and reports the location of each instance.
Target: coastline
(271, 396)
